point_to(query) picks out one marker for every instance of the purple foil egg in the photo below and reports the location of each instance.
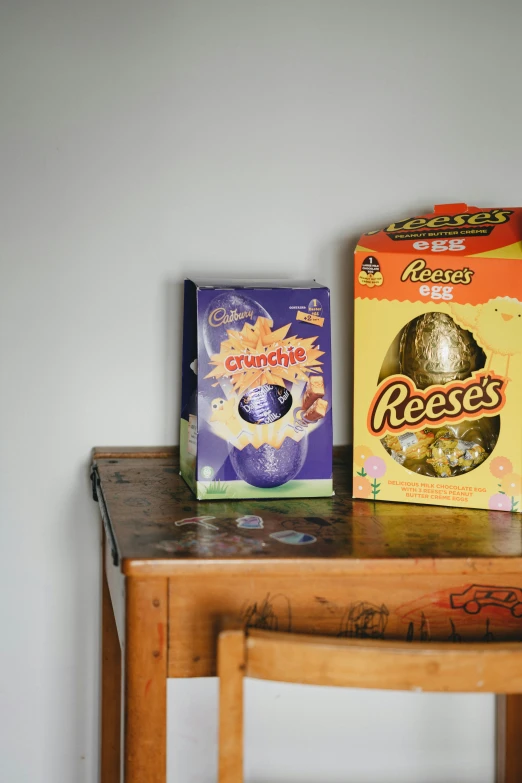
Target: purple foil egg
(269, 467)
(265, 404)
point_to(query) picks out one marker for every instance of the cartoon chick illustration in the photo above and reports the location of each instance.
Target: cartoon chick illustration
(497, 325)
(225, 412)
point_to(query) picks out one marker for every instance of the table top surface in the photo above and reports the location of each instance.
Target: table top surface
(152, 516)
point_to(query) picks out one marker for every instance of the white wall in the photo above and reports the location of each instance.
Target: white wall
(142, 140)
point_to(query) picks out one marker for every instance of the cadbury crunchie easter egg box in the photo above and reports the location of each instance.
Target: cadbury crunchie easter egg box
(438, 359)
(256, 418)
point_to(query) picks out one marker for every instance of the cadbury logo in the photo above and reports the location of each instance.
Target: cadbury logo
(417, 272)
(398, 405)
(219, 316)
(279, 358)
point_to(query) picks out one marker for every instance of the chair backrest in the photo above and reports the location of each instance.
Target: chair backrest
(402, 666)
(352, 663)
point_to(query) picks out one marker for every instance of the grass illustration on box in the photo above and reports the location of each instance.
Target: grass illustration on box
(217, 490)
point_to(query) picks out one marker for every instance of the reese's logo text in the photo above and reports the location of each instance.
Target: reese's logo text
(398, 405)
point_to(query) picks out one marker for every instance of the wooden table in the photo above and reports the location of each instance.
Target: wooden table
(175, 568)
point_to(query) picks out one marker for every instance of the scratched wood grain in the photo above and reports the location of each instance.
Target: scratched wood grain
(145, 498)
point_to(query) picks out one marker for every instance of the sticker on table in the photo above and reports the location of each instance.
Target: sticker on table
(250, 521)
(201, 521)
(293, 537)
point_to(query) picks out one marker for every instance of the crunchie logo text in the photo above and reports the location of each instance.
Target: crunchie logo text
(282, 357)
(219, 316)
(399, 406)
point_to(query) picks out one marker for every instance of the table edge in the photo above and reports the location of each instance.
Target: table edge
(133, 452)
(156, 452)
(322, 567)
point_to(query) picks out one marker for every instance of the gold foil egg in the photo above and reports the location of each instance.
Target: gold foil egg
(434, 350)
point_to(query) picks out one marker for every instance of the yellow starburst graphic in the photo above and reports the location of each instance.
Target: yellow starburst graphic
(257, 355)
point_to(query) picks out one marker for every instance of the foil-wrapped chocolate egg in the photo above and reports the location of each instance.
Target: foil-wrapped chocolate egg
(268, 466)
(434, 350)
(265, 404)
(228, 310)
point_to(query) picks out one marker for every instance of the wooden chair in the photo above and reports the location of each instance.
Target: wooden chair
(350, 663)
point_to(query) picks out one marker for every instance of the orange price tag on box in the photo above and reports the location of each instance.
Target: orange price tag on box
(308, 318)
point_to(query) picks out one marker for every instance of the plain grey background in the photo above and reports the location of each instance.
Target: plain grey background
(145, 140)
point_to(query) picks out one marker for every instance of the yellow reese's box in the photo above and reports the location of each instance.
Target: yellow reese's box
(438, 366)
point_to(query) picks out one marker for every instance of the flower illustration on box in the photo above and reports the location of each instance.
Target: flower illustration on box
(500, 467)
(361, 487)
(499, 502)
(376, 468)
(509, 485)
(360, 455)
(512, 484)
(371, 468)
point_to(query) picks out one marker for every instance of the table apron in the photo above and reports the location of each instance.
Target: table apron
(409, 606)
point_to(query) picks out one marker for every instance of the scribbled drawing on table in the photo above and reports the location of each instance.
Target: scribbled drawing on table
(364, 620)
(476, 597)
(273, 613)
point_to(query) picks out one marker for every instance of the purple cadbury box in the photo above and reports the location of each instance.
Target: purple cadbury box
(256, 407)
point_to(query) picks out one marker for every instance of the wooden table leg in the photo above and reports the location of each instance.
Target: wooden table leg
(509, 739)
(231, 665)
(145, 688)
(110, 690)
